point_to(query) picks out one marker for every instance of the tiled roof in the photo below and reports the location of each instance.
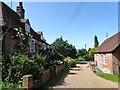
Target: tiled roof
(109, 44)
(8, 17)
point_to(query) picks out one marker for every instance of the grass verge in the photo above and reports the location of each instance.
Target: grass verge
(114, 78)
(54, 80)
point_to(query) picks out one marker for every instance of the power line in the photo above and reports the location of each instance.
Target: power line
(74, 16)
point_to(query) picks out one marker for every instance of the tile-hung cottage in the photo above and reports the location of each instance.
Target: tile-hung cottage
(107, 56)
(18, 35)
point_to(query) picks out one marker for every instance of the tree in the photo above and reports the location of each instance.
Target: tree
(81, 52)
(91, 53)
(62, 49)
(96, 43)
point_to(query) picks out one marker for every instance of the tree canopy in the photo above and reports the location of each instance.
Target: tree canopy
(96, 43)
(63, 49)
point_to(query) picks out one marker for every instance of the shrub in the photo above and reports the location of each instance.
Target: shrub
(70, 62)
(81, 58)
(14, 67)
(87, 57)
(11, 85)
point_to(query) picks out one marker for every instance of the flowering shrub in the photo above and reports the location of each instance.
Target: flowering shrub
(70, 62)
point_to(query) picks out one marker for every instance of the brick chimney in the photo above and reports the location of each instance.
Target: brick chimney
(20, 10)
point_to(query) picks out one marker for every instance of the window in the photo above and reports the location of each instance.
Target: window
(100, 59)
(32, 45)
(105, 59)
(42, 37)
(44, 46)
(19, 14)
(27, 28)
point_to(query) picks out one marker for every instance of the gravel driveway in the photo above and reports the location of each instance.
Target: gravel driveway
(83, 77)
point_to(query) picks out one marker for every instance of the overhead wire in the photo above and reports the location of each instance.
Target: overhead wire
(74, 16)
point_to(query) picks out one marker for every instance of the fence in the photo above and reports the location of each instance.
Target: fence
(28, 82)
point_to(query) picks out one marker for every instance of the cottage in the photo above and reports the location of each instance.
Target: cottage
(107, 55)
(18, 35)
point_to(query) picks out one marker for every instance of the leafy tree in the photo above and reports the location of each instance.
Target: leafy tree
(91, 53)
(81, 52)
(96, 43)
(62, 49)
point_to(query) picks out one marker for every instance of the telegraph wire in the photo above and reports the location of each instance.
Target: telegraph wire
(74, 16)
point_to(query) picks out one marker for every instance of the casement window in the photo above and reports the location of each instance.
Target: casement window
(44, 46)
(32, 45)
(48, 46)
(42, 37)
(19, 14)
(105, 59)
(27, 28)
(100, 59)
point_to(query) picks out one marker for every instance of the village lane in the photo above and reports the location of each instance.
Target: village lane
(83, 77)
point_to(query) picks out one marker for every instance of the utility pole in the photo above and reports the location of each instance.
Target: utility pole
(85, 48)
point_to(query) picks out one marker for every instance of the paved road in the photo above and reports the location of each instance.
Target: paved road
(83, 77)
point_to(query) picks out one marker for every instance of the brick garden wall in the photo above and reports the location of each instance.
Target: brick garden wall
(47, 75)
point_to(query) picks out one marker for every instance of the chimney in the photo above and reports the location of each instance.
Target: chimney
(20, 10)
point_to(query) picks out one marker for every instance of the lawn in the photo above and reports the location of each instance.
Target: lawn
(114, 78)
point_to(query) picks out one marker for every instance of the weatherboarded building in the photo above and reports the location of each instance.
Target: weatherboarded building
(107, 55)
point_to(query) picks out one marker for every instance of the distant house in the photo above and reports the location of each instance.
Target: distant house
(107, 55)
(19, 36)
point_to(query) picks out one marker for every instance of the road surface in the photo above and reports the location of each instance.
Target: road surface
(82, 77)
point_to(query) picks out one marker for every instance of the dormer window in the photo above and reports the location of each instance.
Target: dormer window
(27, 28)
(19, 14)
(41, 37)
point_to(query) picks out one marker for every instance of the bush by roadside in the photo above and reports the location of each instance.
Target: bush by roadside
(14, 67)
(70, 62)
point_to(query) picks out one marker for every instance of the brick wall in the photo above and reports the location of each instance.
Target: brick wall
(47, 75)
(108, 67)
(9, 43)
(116, 60)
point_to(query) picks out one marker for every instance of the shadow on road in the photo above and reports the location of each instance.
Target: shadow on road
(82, 62)
(72, 71)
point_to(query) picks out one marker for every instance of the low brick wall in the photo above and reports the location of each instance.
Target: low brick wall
(60, 67)
(47, 75)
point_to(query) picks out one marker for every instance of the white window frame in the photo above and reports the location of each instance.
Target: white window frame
(27, 28)
(32, 45)
(105, 59)
(100, 59)
(41, 37)
(44, 46)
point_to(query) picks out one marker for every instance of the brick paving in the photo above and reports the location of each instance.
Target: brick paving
(83, 77)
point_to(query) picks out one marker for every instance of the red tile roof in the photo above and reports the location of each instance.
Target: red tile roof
(109, 44)
(8, 17)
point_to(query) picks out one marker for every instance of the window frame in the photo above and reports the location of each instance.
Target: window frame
(105, 59)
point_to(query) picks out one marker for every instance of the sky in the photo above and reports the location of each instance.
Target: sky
(77, 22)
